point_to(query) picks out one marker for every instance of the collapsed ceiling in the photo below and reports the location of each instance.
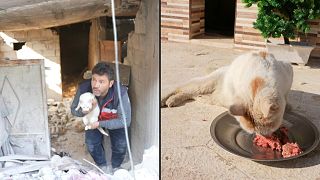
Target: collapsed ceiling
(38, 14)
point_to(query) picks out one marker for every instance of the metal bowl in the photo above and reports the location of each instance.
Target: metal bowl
(226, 132)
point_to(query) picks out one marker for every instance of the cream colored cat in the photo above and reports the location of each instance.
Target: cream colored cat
(254, 88)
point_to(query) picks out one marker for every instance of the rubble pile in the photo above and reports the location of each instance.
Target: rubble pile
(16, 167)
(37, 167)
(66, 138)
(60, 118)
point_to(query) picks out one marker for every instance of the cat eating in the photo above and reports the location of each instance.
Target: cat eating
(254, 88)
(86, 101)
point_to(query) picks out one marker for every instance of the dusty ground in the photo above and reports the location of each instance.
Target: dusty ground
(187, 149)
(66, 131)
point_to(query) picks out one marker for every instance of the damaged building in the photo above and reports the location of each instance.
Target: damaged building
(47, 48)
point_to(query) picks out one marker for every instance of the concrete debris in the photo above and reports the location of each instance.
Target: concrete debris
(19, 169)
(57, 168)
(24, 157)
(148, 169)
(66, 168)
(60, 118)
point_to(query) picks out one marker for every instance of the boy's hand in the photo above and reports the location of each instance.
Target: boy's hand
(94, 125)
(94, 103)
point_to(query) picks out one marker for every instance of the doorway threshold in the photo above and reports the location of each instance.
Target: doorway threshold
(214, 40)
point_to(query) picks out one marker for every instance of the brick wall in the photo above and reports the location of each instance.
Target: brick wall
(181, 20)
(197, 18)
(40, 44)
(245, 36)
(175, 20)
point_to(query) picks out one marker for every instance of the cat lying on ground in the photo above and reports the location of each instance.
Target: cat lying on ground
(254, 88)
(86, 101)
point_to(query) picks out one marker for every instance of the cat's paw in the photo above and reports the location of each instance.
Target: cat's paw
(173, 101)
(165, 98)
(87, 127)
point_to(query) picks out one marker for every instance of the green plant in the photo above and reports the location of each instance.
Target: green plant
(284, 18)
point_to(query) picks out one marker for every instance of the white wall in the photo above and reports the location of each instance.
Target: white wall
(40, 44)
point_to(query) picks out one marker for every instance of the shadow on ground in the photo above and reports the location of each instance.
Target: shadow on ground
(307, 105)
(313, 62)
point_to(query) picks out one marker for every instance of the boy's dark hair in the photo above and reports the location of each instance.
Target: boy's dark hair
(102, 68)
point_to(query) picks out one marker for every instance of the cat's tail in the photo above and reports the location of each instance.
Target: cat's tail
(102, 131)
(193, 88)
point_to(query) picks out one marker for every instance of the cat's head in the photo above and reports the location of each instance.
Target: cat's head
(264, 117)
(85, 101)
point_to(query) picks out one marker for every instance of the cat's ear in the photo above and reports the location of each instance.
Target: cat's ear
(270, 108)
(237, 110)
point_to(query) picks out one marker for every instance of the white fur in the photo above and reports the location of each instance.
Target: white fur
(231, 87)
(85, 102)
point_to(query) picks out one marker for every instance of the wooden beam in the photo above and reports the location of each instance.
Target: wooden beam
(39, 14)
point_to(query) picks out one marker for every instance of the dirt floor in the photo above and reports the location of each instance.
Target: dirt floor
(187, 149)
(66, 131)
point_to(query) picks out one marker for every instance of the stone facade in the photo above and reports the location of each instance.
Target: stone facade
(181, 19)
(40, 44)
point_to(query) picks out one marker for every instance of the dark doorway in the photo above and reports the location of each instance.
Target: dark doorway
(74, 42)
(220, 17)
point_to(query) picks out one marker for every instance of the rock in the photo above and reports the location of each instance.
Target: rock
(50, 102)
(54, 136)
(54, 119)
(62, 138)
(11, 164)
(52, 109)
(78, 126)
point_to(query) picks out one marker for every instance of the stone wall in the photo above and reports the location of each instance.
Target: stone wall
(143, 56)
(40, 44)
(175, 20)
(197, 18)
(245, 36)
(181, 20)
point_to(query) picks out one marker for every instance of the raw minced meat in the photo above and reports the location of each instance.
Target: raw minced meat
(278, 141)
(272, 142)
(290, 149)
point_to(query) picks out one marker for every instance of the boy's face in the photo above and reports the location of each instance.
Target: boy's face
(100, 84)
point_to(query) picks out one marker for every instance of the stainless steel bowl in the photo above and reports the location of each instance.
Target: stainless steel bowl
(226, 132)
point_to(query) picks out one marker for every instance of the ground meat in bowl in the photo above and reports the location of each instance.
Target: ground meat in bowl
(268, 142)
(290, 149)
(278, 141)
